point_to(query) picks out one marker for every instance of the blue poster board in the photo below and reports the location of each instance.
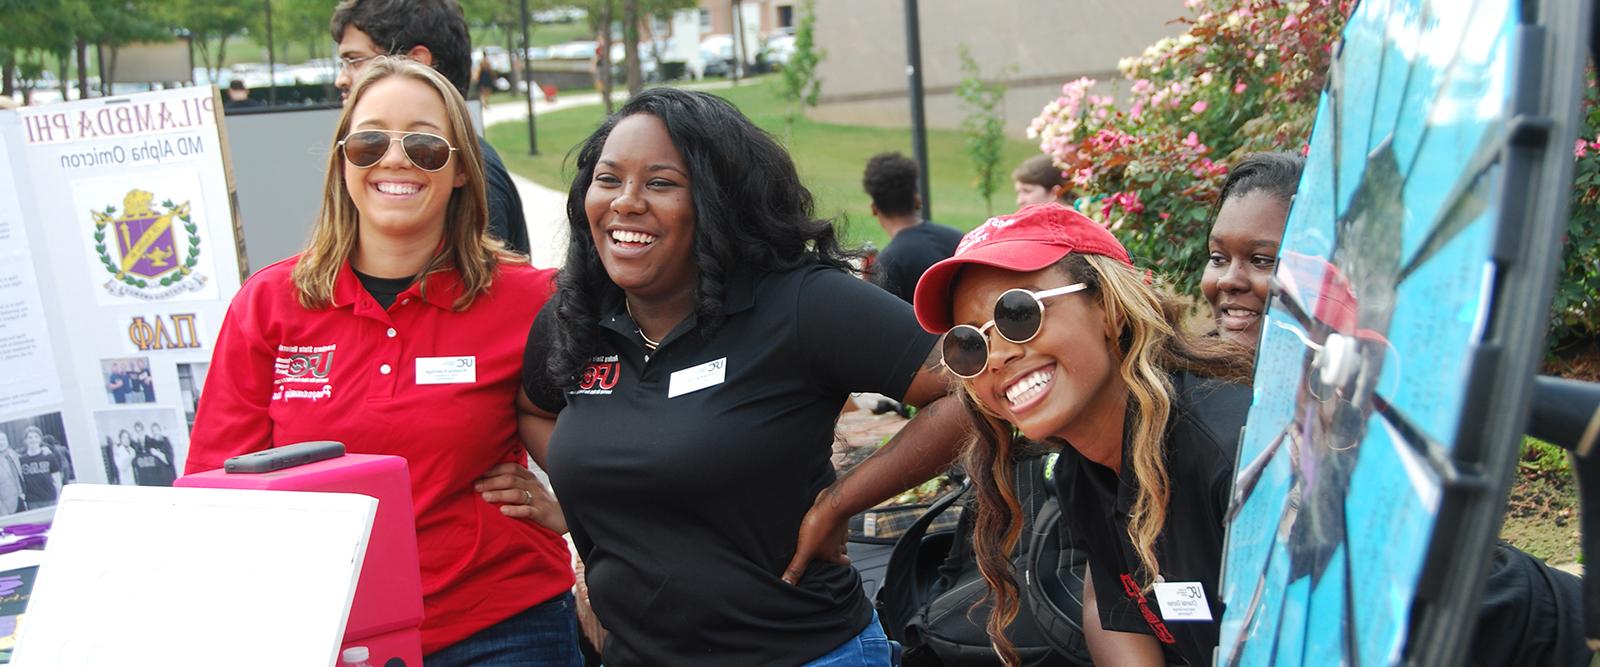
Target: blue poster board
(1370, 469)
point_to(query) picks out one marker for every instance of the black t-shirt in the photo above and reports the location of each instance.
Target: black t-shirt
(684, 472)
(1202, 443)
(38, 477)
(901, 264)
(153, 466)
(383, 290)
(505, 205)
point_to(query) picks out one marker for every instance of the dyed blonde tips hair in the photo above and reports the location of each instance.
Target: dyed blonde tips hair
(1149, 345)
(466, 247)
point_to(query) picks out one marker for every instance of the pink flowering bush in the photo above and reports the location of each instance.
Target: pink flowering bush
(1245, 77)
(1576, 316)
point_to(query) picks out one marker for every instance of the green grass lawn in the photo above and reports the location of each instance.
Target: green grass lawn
(830, 158)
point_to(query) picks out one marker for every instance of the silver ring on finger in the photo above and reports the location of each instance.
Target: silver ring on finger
(527, 496)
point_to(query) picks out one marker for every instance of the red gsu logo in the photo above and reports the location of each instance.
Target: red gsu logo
(601, 375)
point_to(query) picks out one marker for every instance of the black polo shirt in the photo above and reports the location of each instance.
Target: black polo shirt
(1202, 442)
(684, 473)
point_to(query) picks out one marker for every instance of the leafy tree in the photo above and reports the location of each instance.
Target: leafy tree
(210, 21)
(984, 124)
(799, 83)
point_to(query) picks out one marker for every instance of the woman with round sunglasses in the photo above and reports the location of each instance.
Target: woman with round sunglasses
(1059, 338)
(399, 330)
(704, 338)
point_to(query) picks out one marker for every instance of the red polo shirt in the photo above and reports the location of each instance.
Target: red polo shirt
(283, 374)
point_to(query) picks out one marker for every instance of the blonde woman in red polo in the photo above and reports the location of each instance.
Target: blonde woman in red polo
(400, 331)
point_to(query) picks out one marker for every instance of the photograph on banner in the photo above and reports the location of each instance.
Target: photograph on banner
(141, 447)
(191, 380)
(35, 462)
(127, 380)
(146, 236)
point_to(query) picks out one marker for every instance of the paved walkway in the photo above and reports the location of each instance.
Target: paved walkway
(546, 209)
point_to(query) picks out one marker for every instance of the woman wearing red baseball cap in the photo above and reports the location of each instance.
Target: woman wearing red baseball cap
(1058, 337)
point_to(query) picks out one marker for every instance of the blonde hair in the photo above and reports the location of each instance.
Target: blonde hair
(466, 247)
(1150, 345)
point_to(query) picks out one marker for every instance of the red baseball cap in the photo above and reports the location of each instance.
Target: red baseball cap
(1033, 238)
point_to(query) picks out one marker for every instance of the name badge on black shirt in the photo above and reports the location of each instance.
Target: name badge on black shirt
(1183, 601)
(695, 378)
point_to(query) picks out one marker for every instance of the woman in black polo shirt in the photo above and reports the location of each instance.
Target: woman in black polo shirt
(704, 337)
(1060, 338)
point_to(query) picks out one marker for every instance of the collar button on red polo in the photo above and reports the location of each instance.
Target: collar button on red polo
(391, 333)
(384, 369)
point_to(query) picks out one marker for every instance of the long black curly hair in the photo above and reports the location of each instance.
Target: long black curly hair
(751, 216)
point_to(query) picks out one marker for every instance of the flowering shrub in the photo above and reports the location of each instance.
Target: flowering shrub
(1576, 316)
(1245, 77)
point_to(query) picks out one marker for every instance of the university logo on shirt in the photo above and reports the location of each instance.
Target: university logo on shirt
(600, 376)
(303, 366)
(151, 254)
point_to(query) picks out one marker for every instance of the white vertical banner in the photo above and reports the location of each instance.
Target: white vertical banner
(117, 261)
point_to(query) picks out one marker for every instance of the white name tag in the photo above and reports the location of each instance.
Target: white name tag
(447, 370)
(709, 374)
(1183, 601)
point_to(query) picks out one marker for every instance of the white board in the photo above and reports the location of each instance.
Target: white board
(118, 257)
(175, 577)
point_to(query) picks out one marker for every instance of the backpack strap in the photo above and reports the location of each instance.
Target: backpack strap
(899, 598)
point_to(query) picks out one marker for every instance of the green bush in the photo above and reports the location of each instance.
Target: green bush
(1576, 314)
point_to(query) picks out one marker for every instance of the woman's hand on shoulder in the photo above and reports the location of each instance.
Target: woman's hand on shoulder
(521, 495)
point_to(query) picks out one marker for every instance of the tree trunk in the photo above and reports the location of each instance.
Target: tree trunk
(222, 57)
(8, 71)
(82, 50)
(511, 58)
(61, 74)
(736, 67)
(108, 72)
(630, 45)
(603, 59)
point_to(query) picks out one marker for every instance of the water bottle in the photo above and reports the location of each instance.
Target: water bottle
(355, 656)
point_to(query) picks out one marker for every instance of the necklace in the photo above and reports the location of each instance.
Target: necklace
(648, 344)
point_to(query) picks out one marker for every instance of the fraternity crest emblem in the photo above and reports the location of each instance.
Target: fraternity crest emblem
(152, 259)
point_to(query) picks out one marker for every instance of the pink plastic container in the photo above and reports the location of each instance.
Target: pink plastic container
(388, 604)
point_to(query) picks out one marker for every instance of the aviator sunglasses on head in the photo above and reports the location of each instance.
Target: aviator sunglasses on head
(1018, 314)
(429, 152)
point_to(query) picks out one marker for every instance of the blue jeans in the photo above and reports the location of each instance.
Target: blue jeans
(545, 635)
(871, 648)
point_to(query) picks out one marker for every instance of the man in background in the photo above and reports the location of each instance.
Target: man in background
(434, 33)
(914, 244)
(154, 464)
(11, 496)
(238, 96)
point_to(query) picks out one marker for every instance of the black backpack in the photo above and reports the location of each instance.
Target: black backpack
(931, 611)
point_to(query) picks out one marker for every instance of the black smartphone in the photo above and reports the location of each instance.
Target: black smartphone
(287, 456)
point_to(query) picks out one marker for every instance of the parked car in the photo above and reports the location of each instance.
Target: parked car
(648, 69)
(575, 50)
(716, 51)
(778, 49)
